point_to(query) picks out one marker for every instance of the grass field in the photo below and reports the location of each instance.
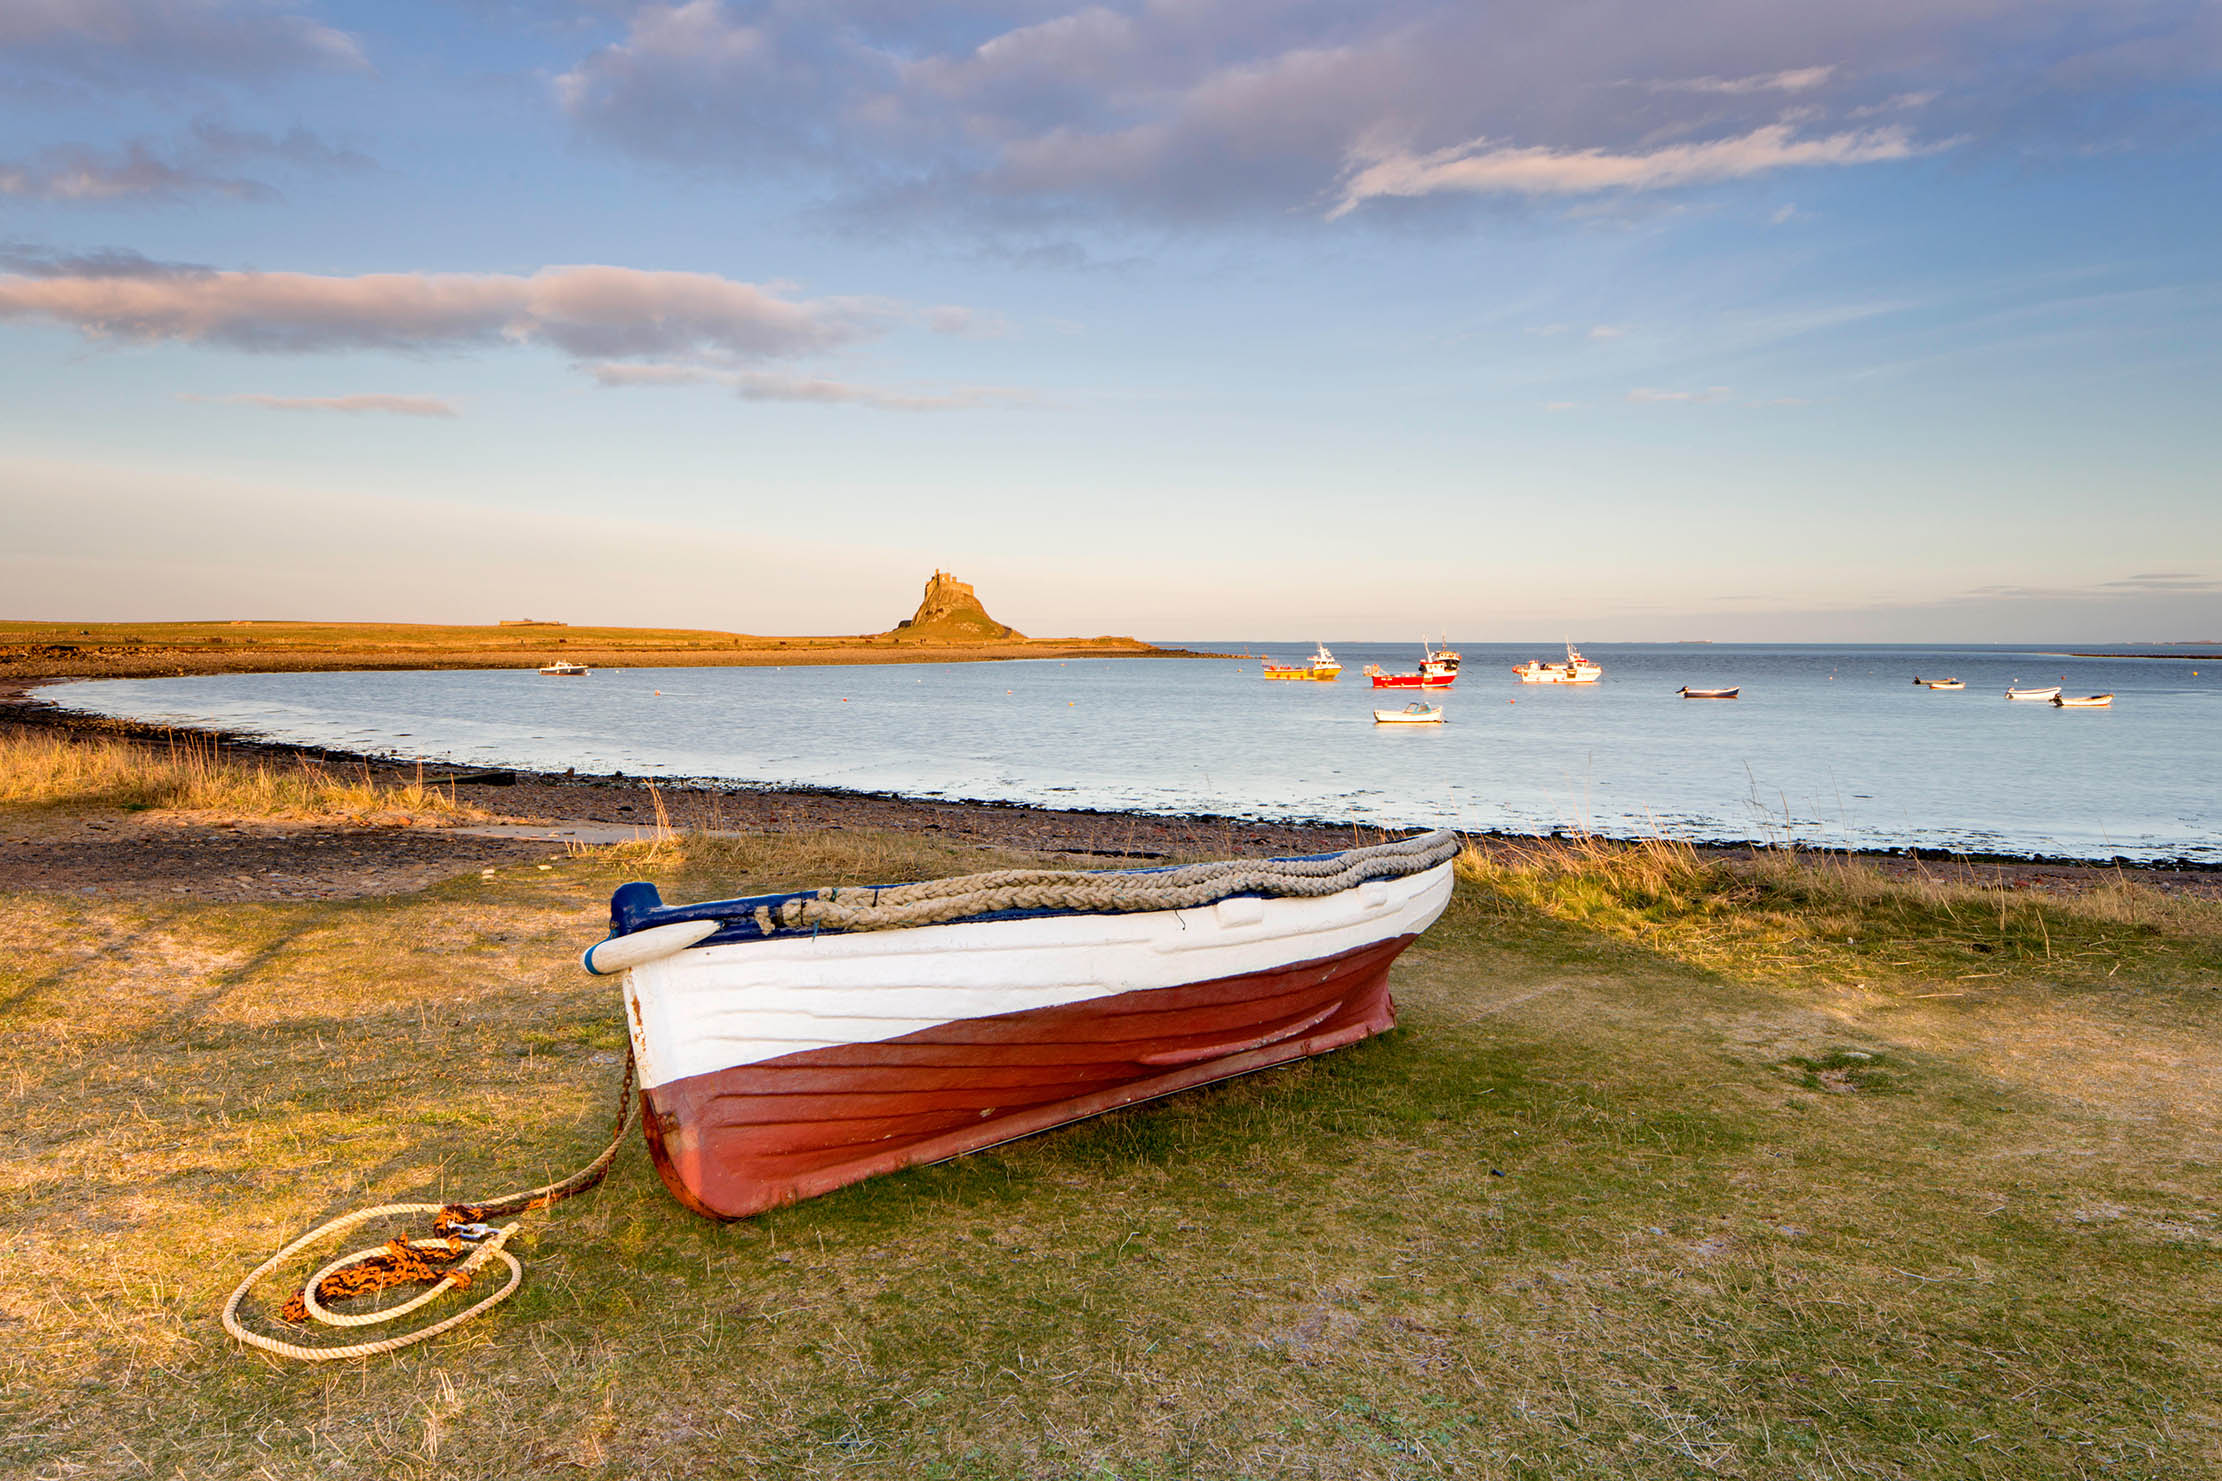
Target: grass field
(1672, 1170)
(31, 650)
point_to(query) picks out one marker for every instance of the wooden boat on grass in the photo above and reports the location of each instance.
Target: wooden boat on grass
(2084, 702)
(1323, 665)
(791, 1044)
(1415, 713)
(1438, 670)
(561, 669)
(1938, 683)
(1688, 693)
(2050, 692)
(1576, 670)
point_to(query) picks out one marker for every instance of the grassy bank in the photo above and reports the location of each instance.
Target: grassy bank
(1673, 1169)
(194, 774)
(35, 650)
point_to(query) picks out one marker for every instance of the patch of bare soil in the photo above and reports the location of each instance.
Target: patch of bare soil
(123, 856)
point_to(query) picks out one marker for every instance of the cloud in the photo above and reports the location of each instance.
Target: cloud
(762, 385)
(2160, 582)
(74, 173)
(1020, 119)
(1793, 80)
(297, 147)
(157, 42)
(1606, 331)
(102, 262)
(405, 406)
(1651, 393)
(1478, 167)
(599, 312)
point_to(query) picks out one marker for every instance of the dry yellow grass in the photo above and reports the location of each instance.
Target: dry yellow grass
(1669, 1172)
(193, 774)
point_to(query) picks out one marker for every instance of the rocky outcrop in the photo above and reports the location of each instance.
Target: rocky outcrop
(951, 612)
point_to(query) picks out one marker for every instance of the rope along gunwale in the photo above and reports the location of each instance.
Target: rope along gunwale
(931, 902)
(456, 1227)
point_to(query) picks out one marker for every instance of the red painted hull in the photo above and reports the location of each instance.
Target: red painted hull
(739, 1141)
(1413, 681)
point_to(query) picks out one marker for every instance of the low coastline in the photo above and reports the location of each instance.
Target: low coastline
(50, 652)
(619, 800)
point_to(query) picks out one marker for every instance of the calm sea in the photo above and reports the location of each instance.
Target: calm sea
(1827, 747)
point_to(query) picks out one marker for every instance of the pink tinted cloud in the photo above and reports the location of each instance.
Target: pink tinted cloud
(595, 311)
(765, 385)
(404, 406)
(1479, 167)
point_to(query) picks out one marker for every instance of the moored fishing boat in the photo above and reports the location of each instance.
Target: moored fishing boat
(2050, 692)
(1688, 693)
(1575, 670)
(1438, 670)
(1416, 713)
(791, 1044)
(2084, 702)
(1938, 683)
(562, 669)
(1323, 665)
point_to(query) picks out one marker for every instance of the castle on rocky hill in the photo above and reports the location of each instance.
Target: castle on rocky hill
(951, 611)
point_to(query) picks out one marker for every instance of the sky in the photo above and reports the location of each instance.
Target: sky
(1610, 319)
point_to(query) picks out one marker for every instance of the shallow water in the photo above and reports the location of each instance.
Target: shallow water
(1827, 747)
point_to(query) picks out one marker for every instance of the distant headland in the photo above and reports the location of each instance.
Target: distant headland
(949, 626)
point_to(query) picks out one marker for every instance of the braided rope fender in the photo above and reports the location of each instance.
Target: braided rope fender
(932, 902)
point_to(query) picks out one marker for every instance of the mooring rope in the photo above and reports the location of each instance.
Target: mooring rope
(461, 1243)
(881, 908)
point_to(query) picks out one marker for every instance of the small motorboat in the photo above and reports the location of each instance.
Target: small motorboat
(1938, 683)
(1323, 665)
(1575, 670)
(562, 670)
(2052, 692)
(1688, 693)
(2084, 702)
(1415, 713)
(1438, 670)
(791, 1044)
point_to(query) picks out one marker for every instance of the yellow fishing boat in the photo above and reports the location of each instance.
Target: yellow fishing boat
(1323, 665)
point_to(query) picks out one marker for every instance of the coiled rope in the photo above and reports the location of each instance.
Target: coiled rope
(462, 1242)
(887, 907)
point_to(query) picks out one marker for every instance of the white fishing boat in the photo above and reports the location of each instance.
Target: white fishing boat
(563, 670)
(791, 1044)
(2050, 692)
(1415, 713)
(2083, 702)
(1575, 670)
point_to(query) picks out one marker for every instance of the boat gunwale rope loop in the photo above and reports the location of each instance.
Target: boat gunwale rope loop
(933, 902)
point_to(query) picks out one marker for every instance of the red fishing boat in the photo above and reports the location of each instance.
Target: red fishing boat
(1438, 670)
(791, 1044)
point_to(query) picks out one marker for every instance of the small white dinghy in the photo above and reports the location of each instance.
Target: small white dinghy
(1415, 713)
(1688, 693)
(1938, 683)
(2051, 693)
(2085, 702)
